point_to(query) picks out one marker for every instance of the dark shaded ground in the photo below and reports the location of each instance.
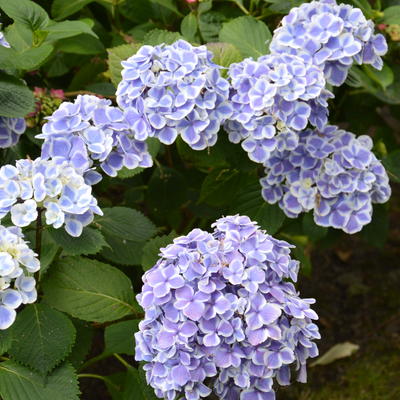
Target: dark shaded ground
(357, 287)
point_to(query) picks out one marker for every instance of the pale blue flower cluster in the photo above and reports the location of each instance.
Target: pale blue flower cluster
(332, 172)
(17, 263)
(91, 130)
(171, 90)
(11, 130)
(272, 95)
(330, 36)
(3, 40)
(221, 313)
(51, 185)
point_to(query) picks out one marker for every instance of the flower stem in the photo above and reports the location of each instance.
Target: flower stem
(102, 378)
(122, 361)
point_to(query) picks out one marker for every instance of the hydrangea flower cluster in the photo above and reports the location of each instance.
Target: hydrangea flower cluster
(273, 98)
(332, 172)
(171, 90)
(53, 186)
(11, 130)
(331, 36)
(219, 310)
(90, 129)
(17, 263)
(3, 40)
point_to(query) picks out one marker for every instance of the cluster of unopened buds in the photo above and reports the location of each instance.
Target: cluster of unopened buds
(221, 313)
(17, 265)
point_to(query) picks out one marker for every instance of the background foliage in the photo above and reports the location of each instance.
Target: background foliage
(87, 311)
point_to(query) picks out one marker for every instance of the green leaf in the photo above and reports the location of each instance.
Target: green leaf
(19, 36)
(151, 250)
(377, 231)
(89, 290)
(26, 12)
(169, 4)
(248, 201)
(5, 341)
(391, 15)
(392, 165)
(189, 27)
(220, 186)
(248, 35)
(82, 44)
(136, 387)
(20, 383)
(119, 337)
(118, 54)
(42, 338)
(122, 251)
(159, 36)
(311, 229)
(61, 9)
(66, 29)
(225, 54)
(126, 223)
(384, 77)
(16, 100)
(210, 24)
(27, 60)
(91, 241)
(84, 334)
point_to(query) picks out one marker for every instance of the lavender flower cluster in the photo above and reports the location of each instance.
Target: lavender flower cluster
(17, 263)
(330, 36)
(52, 185)
(273, 98)
(11, 130)
(171, 90)
(219, 309)
(332, 172)
(89, 130)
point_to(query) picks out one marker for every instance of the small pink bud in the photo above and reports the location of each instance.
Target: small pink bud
(57, 93)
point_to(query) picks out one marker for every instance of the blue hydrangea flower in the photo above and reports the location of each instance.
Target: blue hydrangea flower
(11, 130)
(53, 185)
(89, 131)
(3, 40)
(222, 315)
(330, 36)
(17, 265)
(332, 172)
(171, 90)
(273, 98)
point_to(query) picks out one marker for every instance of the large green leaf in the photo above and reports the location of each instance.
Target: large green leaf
(89, 290)
(20, 383)
(91, 241)
(151, 249)
(119, 337)
(61, 9)
(136, 387)
(169, 4)
(189, 26)
(391, 15)
(118, 54)
(5, 341)
(159, 36)
(122, 251)
(248, 35)
(84, 335)
(82, 44)
(248, 201)
(66, 29)
(16, 100)
(26, 12)
(126, 223)
(392, 165)
(225, 54)
(311, 229)
(42, 337)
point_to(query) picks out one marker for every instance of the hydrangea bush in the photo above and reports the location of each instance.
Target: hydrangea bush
(162, 134)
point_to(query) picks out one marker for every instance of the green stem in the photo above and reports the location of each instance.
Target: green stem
(122, 361)
(242, 7)
(101, 377)
(94, 360)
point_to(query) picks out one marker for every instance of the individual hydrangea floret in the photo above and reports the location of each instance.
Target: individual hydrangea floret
(273, 98)
(332, 172)
(171, 90)
(91, 130)
(11, 130)
(17, 265)
(221, 314)
(331, 36)
(3, 40)
(53, 187)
